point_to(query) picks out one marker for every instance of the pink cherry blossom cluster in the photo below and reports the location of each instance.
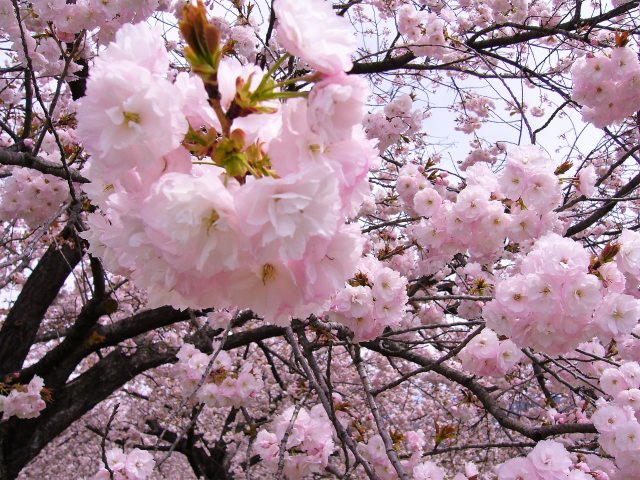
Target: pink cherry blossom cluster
(398, 119)
(481, 152)
(510, 10)
(550, 303)
(24, 401)
(617, 420)
(607, 86)
(72, 18)
(555, 302)
(33, 196)
(424, 30)
(474, 222)
(371, 301)
(196, 236)
(629, 345)
(410, 445)
(475, 108)
(477, 221)
(223, 386)
(135, 465)
(487, 356)
(429, 471)
(529, 176)
(308, 444)
(55, 21)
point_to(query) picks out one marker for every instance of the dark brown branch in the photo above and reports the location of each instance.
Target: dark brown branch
(526, 33)
(604, 209)
(23, 159)
(21, 325)
(80, 395)
(489, 403)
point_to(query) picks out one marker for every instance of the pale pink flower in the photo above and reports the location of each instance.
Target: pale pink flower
(312, 31)
(587, 180)
(508, 356)
(617, 314)
(138, 44)
(336, 105)
(612, 381)
(627, 437)
(139, 464)
(608, 418)
(116, 458)
(191, 220)
(428, 471)
(581, 294)
(628, 258)
(519, 468)
(130, 118)
(629, 398)
(267, 445)
(281, 215)
(195, 104)
(550, 460)
(513, 181)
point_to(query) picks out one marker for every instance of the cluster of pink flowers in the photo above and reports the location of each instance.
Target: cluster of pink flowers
(475, 108)
(33, 196)
(487, 356)
(515, 11)
(195, 236)
(49, 22)
(424, 30)
(224, 386)
(555, 302)
(397, 119)
(371, 301)
(529, 176)
(482, 152)
(72, 18)
(410, 445)
(617, 420)
(607, 86)
(308, 446)
(428, 471)
(135, 465)
(550, 303)
(23, 402)
(476, 222)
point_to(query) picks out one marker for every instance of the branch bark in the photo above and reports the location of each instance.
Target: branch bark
(24, 159)
(21, 325)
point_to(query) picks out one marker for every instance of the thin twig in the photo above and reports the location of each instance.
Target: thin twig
(103, 443)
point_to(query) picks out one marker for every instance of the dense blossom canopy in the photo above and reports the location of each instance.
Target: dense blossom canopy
(382, 239)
